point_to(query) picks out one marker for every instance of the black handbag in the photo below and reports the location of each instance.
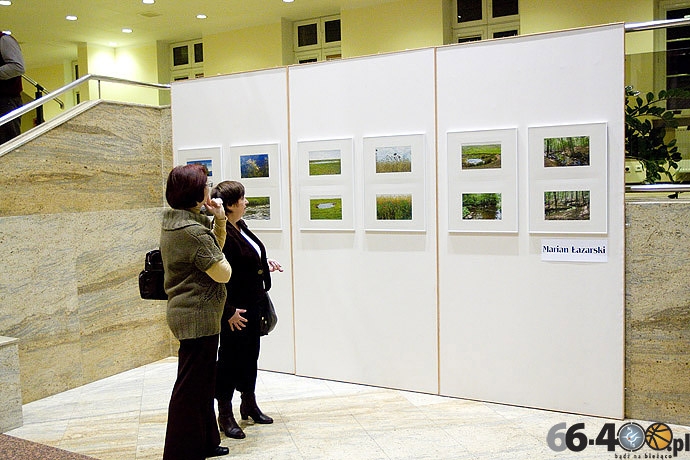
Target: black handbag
(151, 278)
(268, 317)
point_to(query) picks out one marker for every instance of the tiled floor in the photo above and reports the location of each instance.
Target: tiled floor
(123, 417)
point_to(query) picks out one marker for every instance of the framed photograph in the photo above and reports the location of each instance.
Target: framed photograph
(482, 181)
(257, 167)
(394, 168)
(326, 208)
(568, 178)
(326, 198)
(207, 156)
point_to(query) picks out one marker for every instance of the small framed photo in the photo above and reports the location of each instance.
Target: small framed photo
(325, 208)
(207, 156)
(263, 210)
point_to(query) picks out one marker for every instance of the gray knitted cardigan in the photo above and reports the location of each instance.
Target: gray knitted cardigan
(189, 248)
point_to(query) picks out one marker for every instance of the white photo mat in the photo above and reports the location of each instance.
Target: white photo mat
(257, 167)
(394, 201)
(495, 172)
(575, 176)
(326, 198)
(208, 156)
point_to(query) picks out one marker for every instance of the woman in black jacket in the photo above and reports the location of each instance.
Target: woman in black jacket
(238, 354)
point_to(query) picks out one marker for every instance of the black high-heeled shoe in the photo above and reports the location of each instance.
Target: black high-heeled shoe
(219, 451)
(248, 408)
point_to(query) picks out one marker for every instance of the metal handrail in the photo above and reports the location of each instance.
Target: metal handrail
(660, 24)
(41, 88)
(673, 188)
(29, 106)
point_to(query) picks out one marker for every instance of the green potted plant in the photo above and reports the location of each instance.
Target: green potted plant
(646, 121)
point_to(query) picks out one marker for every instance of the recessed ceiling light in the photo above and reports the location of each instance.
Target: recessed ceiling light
(201, 16)
(71, 17)
(148, 2)
(127, 30)
(288, 1)
(5, 2)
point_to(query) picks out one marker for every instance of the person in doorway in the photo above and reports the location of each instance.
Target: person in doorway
(238, 354)
(196, 271)
(11, 71)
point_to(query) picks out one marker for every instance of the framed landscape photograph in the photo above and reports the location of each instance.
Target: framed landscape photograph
(257, 167)
(207, 156)
(326, 198)
(258, 208)
(263, 210)
(394, 183)
(482, 181)
(568, 178)
(327, 162)
(325, 209)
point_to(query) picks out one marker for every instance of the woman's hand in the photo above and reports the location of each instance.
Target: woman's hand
(238, 321)
(274, 265)
(215, 207)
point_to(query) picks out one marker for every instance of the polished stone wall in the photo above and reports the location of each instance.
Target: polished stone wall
(11, 415)
(79, 207)
(658, 311)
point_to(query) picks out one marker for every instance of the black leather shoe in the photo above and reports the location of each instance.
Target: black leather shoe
(218, 452)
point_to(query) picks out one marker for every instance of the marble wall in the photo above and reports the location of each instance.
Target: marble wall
(11, 415)
(657, 368)
(79, 207)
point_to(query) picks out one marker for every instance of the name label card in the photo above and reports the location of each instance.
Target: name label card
(571, 250)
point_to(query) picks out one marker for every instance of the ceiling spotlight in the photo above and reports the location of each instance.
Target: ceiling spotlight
(5, 2)
(148, 2)
(201, 16)
(127, 30)
(71, 17)
(288, 1)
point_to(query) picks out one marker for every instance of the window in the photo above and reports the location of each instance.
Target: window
(187, 60)
(317, 39)
(678, 56)
(482, 19)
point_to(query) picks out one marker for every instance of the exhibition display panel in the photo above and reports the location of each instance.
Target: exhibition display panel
(451, 219)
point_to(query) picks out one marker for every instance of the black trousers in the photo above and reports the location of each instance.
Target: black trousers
(238, 357)
(192, 431)
(10, 129)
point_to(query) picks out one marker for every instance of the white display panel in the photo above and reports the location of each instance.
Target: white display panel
(516, 329)
(248, 109)
(365, 307)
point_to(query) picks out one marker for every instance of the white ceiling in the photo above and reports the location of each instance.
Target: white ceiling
(47, 38)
